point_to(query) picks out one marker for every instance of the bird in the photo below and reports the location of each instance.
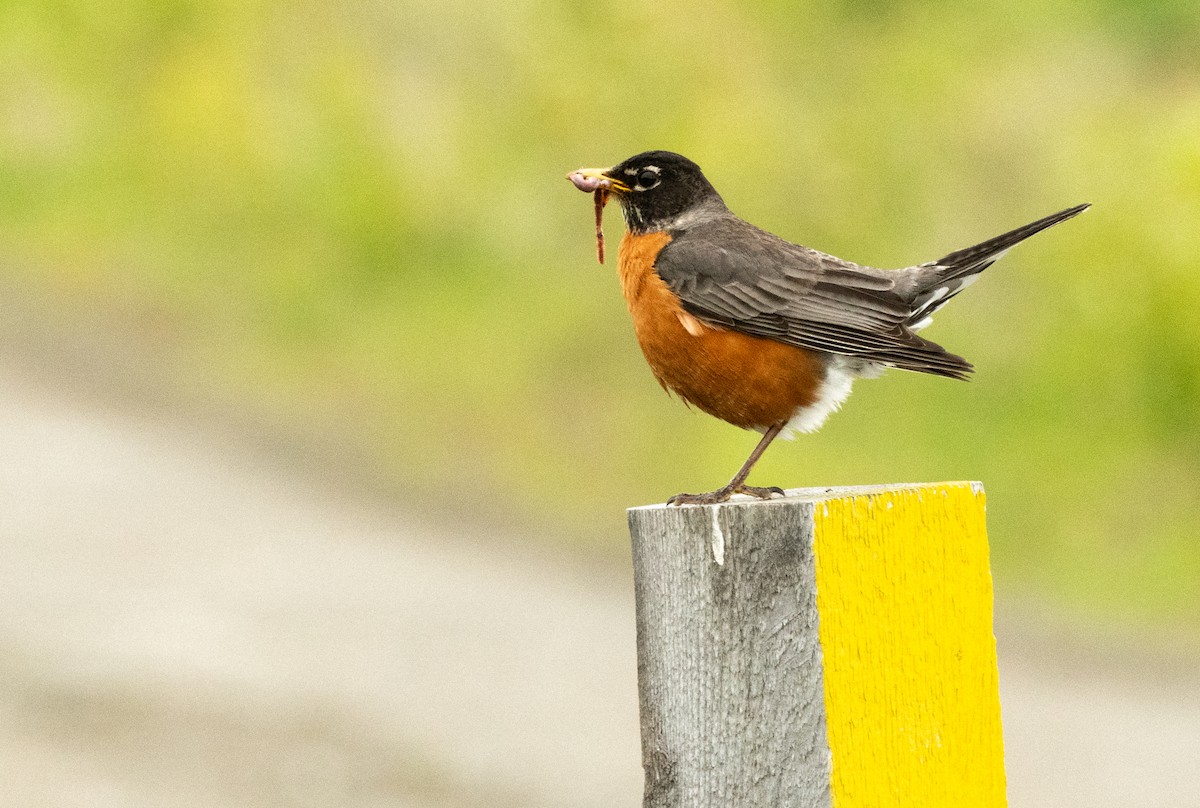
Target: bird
(755, 330)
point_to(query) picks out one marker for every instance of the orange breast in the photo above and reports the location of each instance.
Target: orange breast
(748, 381)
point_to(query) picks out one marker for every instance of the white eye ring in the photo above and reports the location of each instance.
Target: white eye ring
(647, 177)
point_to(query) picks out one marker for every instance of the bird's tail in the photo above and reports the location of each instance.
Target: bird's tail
(940, 280)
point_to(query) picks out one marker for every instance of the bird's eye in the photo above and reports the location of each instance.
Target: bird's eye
(647, 178)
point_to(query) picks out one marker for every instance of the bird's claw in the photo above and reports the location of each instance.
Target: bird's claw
(762, 492)
(724, 494)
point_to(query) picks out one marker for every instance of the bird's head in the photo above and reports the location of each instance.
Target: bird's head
(658, 190)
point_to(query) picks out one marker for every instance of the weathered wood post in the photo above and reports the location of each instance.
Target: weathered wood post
(833, 647)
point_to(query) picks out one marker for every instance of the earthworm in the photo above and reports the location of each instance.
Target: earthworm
(601, 197)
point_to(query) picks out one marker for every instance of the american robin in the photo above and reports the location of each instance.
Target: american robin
(755, 330)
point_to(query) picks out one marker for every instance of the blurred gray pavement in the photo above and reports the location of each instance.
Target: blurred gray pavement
(184, 623)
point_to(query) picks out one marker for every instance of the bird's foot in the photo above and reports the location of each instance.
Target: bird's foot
(723, 495)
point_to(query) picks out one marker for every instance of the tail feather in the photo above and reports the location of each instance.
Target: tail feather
(962, 261)
(940, 280)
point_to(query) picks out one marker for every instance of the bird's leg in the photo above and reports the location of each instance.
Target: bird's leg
(738, 484)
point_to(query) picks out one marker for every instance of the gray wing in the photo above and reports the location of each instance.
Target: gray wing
(759, 284)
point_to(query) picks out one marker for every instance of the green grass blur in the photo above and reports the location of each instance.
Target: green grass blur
(351, 219)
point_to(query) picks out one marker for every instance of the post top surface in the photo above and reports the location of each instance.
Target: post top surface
(822, 494)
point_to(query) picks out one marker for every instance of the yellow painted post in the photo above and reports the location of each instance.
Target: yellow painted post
(832, 648)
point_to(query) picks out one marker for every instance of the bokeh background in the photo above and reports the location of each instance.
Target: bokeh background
(341, 232)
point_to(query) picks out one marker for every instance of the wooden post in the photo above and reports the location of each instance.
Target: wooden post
(833, 647)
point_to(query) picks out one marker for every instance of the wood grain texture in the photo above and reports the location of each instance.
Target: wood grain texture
(728, 660)
(831, 648)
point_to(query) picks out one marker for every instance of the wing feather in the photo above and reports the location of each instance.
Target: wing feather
(762, 285)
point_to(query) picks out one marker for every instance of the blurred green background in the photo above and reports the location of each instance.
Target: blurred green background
(347, 225)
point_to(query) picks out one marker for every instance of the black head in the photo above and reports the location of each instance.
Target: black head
(657, 189)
